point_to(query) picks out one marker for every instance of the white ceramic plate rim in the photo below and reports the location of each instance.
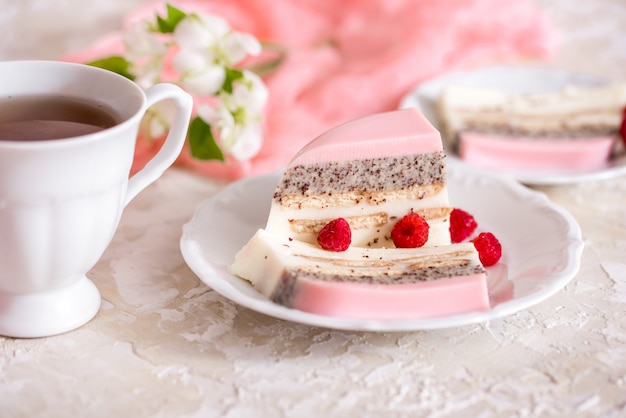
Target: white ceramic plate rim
(516, 79)
(223, 224)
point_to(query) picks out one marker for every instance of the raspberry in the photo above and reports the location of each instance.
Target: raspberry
(622, 128)
(462, 225)
(410, 232)
(488, 247)
(335, 235)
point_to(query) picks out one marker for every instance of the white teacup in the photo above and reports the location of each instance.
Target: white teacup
(61, 200)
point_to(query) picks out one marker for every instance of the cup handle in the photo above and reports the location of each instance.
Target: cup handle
(174, 141)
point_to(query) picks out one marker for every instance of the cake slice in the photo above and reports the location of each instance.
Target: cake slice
(365, 283)
(572, 129)
(372, 172)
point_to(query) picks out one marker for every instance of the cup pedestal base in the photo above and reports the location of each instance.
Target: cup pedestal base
(43, 314)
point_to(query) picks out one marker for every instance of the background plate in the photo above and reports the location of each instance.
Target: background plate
(541, 243)
(514, 79)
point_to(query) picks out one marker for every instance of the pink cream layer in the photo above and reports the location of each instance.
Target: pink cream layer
(510, 153)
(401, 132)
(450, 296)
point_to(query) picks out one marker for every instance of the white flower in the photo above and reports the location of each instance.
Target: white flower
(207, 45)
(238, 45)
(249, 141)
(238, 118)
(250, 92)
(158, 118)
(204, 51)
(199, 73)
(146, 52)
(200, 31)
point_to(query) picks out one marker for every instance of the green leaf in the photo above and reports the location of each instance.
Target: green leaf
(115, 63)
(232, 75)
(201, 141)
(174, 16)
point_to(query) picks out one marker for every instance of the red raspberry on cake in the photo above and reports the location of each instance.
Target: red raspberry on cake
(462, 225)
(336, 235)
(410, 232)
(488, 247)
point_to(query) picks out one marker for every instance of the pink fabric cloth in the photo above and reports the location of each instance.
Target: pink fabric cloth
(352, 58)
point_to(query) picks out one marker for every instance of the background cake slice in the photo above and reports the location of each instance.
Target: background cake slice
(572, 129)
(371, 172)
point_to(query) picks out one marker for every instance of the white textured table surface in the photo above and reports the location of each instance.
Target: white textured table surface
(165, 345)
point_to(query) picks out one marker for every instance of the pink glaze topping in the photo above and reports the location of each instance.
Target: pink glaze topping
(401, 132)
(450, 296)
(510, 153)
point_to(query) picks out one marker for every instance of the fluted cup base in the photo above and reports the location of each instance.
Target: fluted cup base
(43, 314)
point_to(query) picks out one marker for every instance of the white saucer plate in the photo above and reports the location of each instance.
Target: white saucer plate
(542, 248)
(514, 79)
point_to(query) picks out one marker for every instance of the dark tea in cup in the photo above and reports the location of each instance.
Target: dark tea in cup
(46, 117)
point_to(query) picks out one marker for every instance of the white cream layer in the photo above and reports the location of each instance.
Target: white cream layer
(279, 220)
